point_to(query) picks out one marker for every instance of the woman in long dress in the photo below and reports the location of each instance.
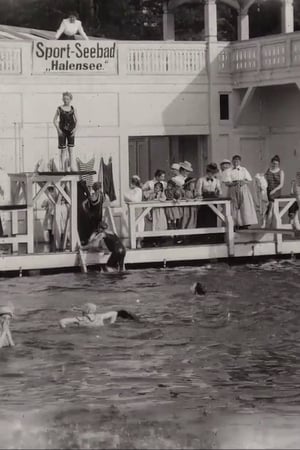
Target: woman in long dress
(275, 181)
(135, 195)
(243, 208)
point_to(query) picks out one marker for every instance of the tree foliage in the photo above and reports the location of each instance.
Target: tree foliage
(141, 19)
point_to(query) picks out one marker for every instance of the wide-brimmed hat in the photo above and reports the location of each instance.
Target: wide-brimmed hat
(9, 310)
(225, 161)
(186, 165)
(87, 308)
(175, 166)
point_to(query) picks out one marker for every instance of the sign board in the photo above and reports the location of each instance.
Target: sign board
(77, 57)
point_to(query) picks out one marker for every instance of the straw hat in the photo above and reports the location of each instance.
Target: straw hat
(9, 310)
(186, 165)
(225, 161)
(175, 166)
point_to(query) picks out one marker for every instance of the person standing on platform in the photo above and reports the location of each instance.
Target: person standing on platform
(275, 179)
(243, 208)
(70, 27)
(224, 175)
(185, 168)
(148, 187)
(135, 195)
(65, 122)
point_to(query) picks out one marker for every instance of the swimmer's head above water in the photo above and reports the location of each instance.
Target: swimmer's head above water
(198, 289)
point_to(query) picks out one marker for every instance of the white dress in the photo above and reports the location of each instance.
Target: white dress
(243, 208)
(135, 195)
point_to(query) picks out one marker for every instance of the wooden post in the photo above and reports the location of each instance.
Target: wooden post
(278, 236)
(73, 215)
(30, 215)
(229, 229)
(132, 226)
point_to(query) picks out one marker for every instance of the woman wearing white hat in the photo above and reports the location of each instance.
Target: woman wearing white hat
(185, 168)
(6, 314)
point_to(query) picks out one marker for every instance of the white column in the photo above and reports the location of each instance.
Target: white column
(287, 16)
(210, 16)
(243, 26)
(168, 24)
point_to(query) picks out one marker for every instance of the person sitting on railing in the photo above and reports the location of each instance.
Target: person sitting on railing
(243, 208)
(148, 187)
(275, 179)
(135, 195)
(185, 168)
(70, 27)
(189, 219)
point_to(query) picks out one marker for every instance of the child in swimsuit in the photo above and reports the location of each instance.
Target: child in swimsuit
(65, 121)
(89, 317)
(6, 314)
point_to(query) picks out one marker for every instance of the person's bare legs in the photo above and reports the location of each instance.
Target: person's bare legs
(71, 159)
(63, 160)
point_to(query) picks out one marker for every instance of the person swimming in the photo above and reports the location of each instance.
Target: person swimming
(198, 289)
(6, 314)
(89, 317)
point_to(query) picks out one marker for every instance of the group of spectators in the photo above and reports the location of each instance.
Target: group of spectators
(229, 180)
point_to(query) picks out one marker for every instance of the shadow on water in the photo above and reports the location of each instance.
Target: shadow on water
(218, 371)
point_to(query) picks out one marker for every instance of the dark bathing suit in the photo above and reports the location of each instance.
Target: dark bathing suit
(67, 124)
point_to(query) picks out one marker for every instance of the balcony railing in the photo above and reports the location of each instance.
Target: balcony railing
(142, 58)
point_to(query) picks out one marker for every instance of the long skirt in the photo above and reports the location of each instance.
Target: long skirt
(189, 218)
(159, 220)
(242, 206)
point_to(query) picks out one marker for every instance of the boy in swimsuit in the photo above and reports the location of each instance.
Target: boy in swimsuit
(65, 122)
(6, 314)
(89, 318)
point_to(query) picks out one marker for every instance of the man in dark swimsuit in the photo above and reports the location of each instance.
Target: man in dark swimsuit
(113, 244)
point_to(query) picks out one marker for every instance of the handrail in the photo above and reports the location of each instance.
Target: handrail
(279, 213)
(135, 217)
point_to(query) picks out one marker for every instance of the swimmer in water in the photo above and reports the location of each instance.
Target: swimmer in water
(89, 317)
(6, 314)
(198, 289)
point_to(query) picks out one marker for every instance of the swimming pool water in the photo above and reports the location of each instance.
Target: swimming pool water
(220, 371)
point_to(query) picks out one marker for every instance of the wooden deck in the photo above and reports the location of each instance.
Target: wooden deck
(62, 261)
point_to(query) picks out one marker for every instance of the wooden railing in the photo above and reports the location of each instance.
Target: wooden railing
(266, 53)
(165, 58)
(176, 58)
(281, 209)
(221, 208)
